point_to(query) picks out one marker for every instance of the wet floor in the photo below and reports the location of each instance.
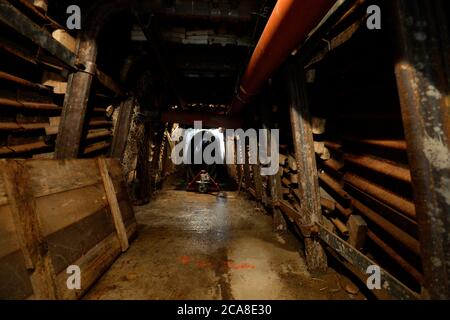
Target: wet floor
(195, 246)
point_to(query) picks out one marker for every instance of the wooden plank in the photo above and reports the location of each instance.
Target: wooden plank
(96, 147)
(3, 195)
(8, 236)
(25, 148)
(69, 244)
(14, 277)
(109, 83)
(32, 243)
(50, 176)
(60, 210)
(114, 205)
(357, 228)
(93, 264)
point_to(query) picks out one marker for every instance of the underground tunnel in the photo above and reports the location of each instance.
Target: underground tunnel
(224, 150)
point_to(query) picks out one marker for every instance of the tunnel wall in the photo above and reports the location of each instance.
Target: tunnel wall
(367, 194)
(362, 152)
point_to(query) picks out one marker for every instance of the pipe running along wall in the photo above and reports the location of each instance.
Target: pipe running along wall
(290, 23)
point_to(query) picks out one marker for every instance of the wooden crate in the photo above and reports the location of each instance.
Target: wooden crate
(54, 214)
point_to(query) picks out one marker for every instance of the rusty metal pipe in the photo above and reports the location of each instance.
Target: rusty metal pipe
(335, 186)
(290, 23)
(383, 167)
(16, 103)
(385, 196)
(395, 232)
(405, 265)
(399, 145)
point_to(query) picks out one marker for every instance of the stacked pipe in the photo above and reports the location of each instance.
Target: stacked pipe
(32, 101)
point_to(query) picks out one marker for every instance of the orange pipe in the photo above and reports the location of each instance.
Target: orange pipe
(289, 25)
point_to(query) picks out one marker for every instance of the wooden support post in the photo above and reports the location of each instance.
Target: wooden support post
(165, 166)
(122, 130)
(239, 175)
(257, 179)
(247, 178)
(143, 175)
(279, 223)
(239, 169)
(422, 72)
(26, 221)
(306, 165)
(273, 182)
(113, 204)
(76, 102)
(158, 142)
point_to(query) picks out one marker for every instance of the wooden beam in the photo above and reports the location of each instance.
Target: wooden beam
(113, 204)
(306, 164)
(19, 22)
(22, 82)
(109, 83)
(32, 243)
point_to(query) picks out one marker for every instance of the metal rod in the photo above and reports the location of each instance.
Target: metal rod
(391, 199)
(422, 72)
(386, 168)
(405, 265)
(393, 286)
(396, 233)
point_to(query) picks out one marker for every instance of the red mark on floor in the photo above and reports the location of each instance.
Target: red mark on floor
(185, 260)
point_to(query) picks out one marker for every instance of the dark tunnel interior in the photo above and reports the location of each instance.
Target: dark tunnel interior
(347, 100)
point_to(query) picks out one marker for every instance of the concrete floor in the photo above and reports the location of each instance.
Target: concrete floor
(194, 246)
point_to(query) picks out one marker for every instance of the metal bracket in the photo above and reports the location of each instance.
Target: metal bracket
(309, 230)
(361, 262)
(88, 67)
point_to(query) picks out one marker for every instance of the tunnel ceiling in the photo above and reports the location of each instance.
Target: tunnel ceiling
(201, 47)
(195, 50)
